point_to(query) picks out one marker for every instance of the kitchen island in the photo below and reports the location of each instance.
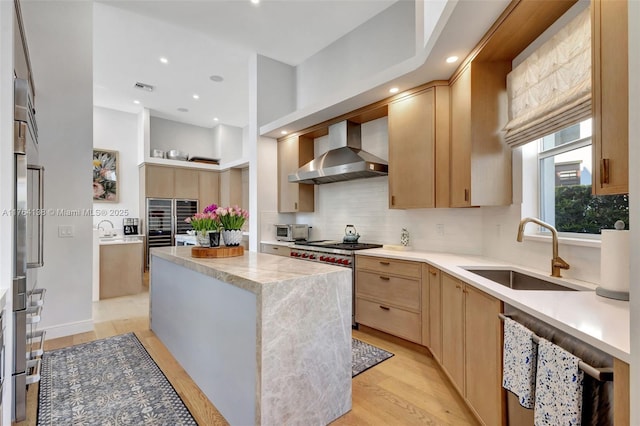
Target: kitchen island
(266, 338)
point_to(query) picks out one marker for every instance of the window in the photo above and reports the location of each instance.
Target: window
(566, 202)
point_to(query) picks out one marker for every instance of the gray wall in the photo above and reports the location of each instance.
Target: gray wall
(383, 41)
(196, 141)
(276, 89)
(229, 141)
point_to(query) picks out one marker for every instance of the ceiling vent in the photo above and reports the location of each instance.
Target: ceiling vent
(143, 86)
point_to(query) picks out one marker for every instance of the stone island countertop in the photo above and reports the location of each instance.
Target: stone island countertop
(267, 338)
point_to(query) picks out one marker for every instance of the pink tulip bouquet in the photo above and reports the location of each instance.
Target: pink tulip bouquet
(232, 217)
(208, 220)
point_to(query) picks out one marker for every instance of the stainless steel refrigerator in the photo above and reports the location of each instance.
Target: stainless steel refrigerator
(165, 218)
(28, 235)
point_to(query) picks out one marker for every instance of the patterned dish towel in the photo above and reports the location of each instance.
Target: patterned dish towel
(519, 362)
(559, 384)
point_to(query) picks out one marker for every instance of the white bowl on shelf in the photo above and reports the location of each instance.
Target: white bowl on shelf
(175, 154)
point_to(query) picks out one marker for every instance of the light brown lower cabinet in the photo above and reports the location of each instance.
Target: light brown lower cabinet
(472, 347)
(121, 269)
(388, 296)
(432, 319)
(621, 384)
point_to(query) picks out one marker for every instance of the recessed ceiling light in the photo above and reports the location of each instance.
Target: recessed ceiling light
(136, 102)
(393, 90)
(452, 59)
(216, 78)
(183, 109)
(164, 60)
(284, 132)
(215, 118)
(195, 96)
(255, 1)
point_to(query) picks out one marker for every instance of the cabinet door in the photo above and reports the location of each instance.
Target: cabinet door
(483, 360)
(461, 140)
(186, 184)
(435, 312)
(294, 152)
(453, 330)
(159, 181)
(412, 151)
(231, 187)
(610, 97)
(208, 188)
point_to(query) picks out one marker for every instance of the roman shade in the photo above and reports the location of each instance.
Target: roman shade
(551, 89)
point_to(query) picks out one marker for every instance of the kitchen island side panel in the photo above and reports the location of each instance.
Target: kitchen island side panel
(210, 328)
(306, 349)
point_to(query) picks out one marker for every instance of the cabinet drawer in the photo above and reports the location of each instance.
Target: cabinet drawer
(402, 292)
(389, 266)
(394, 321)
(276, 249)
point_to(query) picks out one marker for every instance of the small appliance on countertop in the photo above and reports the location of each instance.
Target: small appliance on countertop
(130, 226)
(292, 232)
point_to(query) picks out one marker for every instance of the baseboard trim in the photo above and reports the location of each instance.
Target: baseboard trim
(68, 329)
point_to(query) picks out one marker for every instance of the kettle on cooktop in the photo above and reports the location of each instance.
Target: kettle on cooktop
(350, 234)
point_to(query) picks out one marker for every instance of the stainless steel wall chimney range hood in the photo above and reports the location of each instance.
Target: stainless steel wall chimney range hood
(345, 159)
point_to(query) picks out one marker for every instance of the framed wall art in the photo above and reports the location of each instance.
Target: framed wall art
(105, 175)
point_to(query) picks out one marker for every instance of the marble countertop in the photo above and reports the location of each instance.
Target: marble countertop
(251, 272)
(277, 243)
(601, 322)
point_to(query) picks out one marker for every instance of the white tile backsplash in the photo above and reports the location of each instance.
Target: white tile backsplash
(364, 204)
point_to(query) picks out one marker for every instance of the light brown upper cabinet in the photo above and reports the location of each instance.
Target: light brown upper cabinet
(480, 160)
(419, 149)
(158, 181)
(293, 152)
(185, 184)
(231, 187)
(610, 97)
(208, 188)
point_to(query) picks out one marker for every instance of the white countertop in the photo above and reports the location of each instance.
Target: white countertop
(598, 321)
(129, 239)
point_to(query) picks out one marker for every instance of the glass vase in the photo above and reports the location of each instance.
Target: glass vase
(203, 238)
(232, 237)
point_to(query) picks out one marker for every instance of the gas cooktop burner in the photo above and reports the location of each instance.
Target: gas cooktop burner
(340, 245)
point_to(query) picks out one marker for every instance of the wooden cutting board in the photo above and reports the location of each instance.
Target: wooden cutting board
(212, 252)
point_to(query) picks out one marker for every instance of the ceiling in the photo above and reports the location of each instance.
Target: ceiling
(201, 39)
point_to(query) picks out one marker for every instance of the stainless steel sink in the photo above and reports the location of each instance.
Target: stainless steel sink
(518, 280)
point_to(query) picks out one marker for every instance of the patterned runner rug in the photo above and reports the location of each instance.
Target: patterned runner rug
(111, 381)
(364, 356)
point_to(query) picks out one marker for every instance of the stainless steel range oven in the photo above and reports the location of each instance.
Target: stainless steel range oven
(335, 253)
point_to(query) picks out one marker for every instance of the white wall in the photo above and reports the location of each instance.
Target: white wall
(60, 44)
(380, 43)
(118, 131)
(229, 142)
(195, 140)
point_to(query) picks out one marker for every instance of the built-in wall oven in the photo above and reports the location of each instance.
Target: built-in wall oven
(334, 253)
(27, 242)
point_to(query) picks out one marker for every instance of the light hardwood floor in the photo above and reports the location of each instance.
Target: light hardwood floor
(407, 389)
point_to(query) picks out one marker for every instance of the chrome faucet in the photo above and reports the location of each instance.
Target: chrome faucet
(557, 262)
(105, 220)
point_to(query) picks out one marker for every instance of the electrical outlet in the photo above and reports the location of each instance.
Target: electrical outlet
(440, 229)
(65, 231)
